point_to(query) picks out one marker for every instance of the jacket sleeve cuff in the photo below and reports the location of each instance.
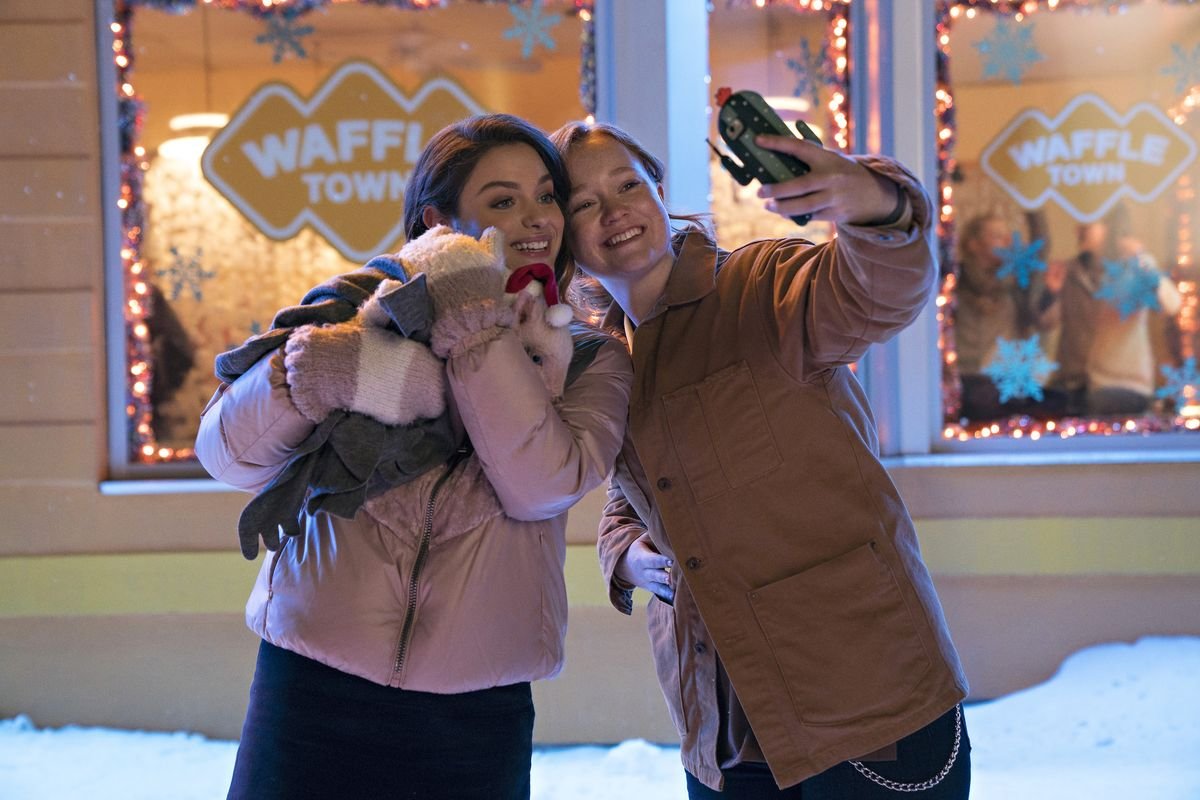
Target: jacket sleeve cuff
(620, 594)
(914, 219)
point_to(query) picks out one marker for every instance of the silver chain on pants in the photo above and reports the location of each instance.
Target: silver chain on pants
(896, 786)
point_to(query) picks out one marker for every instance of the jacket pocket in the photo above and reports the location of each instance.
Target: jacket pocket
(720, 432)
(843, 639)
(664, 644)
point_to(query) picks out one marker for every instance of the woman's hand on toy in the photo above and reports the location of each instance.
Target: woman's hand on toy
(366, 369)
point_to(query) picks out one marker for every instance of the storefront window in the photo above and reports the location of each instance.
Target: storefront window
(795, 55)
(1068, 158)
(265, 147)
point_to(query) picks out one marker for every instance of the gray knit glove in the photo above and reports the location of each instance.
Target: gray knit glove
(465, 278)
(364, 368)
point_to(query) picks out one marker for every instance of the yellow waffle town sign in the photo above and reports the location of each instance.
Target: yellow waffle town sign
(338, 162)
(1088, 157)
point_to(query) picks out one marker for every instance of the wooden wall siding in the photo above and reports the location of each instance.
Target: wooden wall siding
(54, 253)
(50, 52)
(62, 11)
(192, 671)
(50, 235)
(50, 212)
(61, 518)
(54, 454)
(52, 352)
(54, 187)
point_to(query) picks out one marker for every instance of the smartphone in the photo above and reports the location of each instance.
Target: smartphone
(744, 115)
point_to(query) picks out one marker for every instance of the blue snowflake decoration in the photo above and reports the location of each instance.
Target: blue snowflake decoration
(186, 272)
(1019, 368)
(1128, 286)
(1186, 68)
(812, 72)
(1009, 51)
(1182, 386)
(532, 27)
(1021, 260)
(283, 34)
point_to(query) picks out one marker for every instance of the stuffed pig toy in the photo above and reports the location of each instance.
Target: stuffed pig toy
(365, 365)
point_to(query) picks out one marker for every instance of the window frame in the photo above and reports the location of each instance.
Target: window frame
(1129, 475)
(122, 462)
(893, 57)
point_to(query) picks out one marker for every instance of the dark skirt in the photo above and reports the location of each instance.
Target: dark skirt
(312, 731)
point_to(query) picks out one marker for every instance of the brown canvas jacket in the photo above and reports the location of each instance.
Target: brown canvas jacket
(751, 460)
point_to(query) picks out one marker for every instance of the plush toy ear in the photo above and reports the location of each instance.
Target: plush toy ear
(523, 305)
(494, 240)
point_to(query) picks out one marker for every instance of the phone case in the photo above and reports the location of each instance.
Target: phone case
(743, 116)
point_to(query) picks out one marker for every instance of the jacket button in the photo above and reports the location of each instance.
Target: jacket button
(664, 483)
(700, 648)
(694, 563)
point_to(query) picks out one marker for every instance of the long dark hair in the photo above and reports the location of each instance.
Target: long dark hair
(587, 295)
(451, 154)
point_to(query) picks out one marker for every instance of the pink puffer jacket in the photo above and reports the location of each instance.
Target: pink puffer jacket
(453, 582)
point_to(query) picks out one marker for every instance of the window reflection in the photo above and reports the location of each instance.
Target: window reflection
(1067, 149)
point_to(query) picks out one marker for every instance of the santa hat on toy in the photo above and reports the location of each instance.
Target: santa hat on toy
(520, 279)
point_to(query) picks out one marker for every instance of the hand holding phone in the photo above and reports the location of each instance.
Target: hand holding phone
(743, 116)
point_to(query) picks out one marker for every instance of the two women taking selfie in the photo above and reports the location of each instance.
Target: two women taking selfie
(796, 633)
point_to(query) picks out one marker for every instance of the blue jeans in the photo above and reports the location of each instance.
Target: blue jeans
(919, 756)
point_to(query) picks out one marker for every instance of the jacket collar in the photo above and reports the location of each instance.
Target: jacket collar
(693, 275)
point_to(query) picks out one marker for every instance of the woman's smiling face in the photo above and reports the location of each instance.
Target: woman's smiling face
(618, 222)
(511, 190)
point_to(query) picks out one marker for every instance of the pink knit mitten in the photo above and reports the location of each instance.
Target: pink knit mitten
(363, 368)
(465, 278)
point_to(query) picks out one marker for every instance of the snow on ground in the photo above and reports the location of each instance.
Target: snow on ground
(1118, 721)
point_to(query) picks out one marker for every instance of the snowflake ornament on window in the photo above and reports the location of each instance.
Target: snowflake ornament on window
(1182, 385)
(532, 27)
(1021, 260)
(186, 272)
(812, 72)
(1019, 368)
(1008, 51)
(1186, 67)
(283, 34)
(1128, 286)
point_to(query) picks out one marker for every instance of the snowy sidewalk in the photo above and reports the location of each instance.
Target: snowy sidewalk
(1117, 722)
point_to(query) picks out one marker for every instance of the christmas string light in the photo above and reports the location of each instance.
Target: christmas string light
(1021, 427)
(836, 56)
(139, 376)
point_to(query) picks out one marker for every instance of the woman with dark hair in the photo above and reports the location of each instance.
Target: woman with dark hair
(797, 636)
(400, 637)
